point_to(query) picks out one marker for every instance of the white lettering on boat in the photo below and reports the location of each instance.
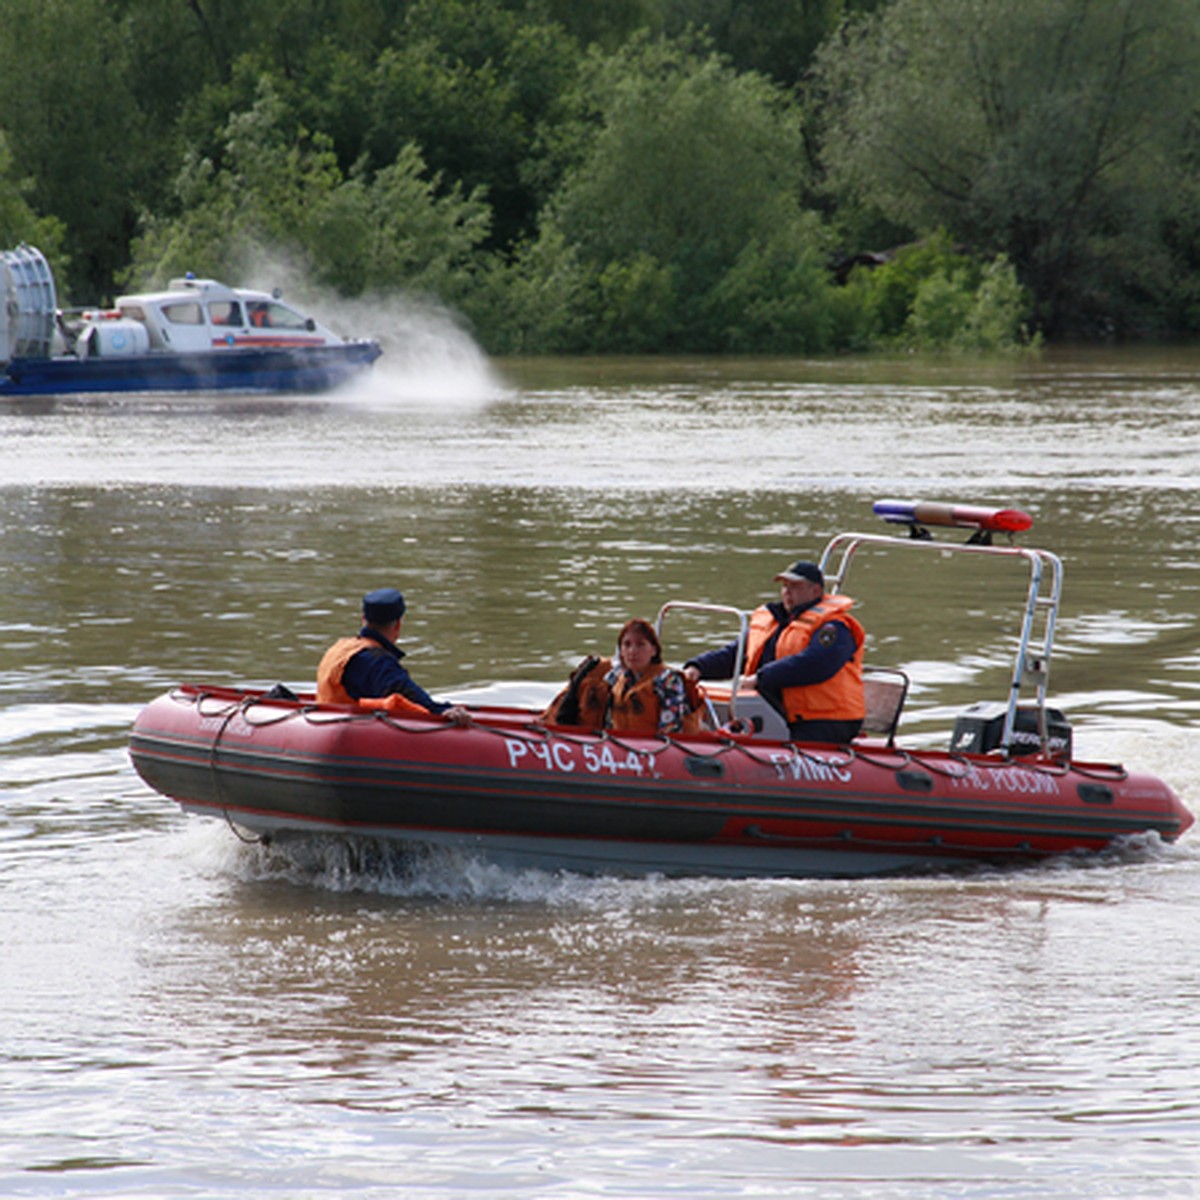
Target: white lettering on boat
(809, 767)
(1014, 780)
(600, 758)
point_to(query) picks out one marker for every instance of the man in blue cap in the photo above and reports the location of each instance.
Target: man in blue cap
(366, 670)
(803, 655)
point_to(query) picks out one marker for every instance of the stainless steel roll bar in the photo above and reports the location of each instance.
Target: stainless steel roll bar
(1031, 664)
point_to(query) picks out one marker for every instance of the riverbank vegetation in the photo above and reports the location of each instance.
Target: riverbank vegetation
(789, 176)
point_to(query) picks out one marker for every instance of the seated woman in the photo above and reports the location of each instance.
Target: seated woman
(646, 696)
(639, 694)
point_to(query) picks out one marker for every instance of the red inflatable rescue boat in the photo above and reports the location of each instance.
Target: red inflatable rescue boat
(514, 791)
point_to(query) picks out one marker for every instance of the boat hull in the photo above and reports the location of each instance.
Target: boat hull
(315, 368)
(520, 795)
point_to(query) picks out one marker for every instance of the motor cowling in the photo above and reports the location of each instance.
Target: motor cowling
(980, 728)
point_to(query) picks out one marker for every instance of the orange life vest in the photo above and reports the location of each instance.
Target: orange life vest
(837, 699)
(330, 689)
(589, 701)
(584, 701)
(636, 708)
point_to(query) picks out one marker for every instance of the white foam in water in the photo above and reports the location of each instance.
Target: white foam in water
(1167, 752)
(429, 356)
(1145, 746)
(346, 864)
(332, 863)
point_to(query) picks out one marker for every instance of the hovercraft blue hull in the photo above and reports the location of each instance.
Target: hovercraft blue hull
(261, 369)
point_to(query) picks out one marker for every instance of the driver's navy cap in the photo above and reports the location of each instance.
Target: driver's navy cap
(802, 570)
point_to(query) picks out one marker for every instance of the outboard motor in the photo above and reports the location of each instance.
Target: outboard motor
(980, 728)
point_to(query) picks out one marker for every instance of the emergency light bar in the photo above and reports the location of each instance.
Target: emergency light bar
(918, 513)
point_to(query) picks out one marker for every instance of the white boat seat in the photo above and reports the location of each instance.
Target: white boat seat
(884, 690)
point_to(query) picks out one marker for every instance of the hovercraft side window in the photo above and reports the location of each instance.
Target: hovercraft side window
(225, 312)
(183, 314)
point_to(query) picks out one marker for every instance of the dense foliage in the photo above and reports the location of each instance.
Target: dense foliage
(637, 176)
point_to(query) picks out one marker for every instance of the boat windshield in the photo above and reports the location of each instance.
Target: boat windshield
(269, 314)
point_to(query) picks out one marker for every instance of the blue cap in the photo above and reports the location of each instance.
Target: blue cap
(383, 606)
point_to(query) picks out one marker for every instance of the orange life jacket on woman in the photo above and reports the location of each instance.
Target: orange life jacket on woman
(330, 689)
(635, 706)
(839, 698)
(590, 702)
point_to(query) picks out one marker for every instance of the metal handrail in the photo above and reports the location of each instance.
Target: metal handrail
(1033, 667)
(743, 628)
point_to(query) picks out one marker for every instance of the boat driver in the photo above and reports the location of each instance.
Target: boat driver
(803, 655)
(365, 670)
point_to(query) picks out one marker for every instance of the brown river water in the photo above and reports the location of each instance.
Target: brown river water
(187, 1015)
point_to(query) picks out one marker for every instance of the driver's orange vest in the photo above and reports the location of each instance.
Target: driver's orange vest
(836, 699)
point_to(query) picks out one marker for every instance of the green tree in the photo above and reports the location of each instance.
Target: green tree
(682, 205)
(1047, 130)
(775, 37)
(282, 191)
(607, 26)
(930, 296)
(73, 126)
(777, 297)
(398, 231)
(480, 89)
(476, 84)
(19, 222)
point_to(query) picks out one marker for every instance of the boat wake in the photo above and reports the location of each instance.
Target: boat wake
(1169, 750)
(348, 865)
(429, 358)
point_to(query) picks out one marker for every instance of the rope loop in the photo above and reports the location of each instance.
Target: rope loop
(533, 732)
